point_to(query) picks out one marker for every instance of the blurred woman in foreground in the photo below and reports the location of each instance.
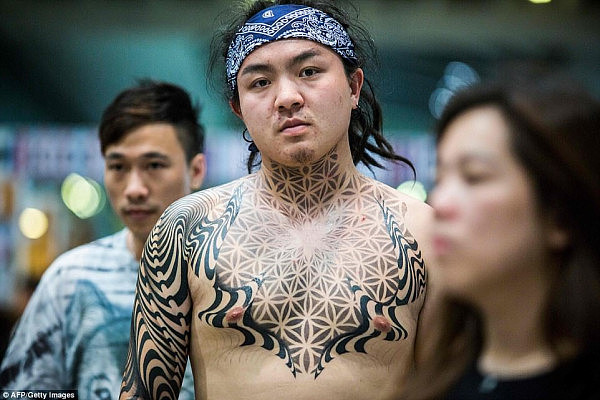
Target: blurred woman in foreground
(517, 245)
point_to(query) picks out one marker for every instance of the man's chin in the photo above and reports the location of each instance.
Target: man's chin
(304, 156)
(140, 233)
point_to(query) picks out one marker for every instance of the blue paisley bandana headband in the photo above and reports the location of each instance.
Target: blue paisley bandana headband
(285, 22)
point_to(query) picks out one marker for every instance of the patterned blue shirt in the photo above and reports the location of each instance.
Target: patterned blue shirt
(74, 333)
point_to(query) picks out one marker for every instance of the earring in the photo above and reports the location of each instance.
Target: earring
(252, 146)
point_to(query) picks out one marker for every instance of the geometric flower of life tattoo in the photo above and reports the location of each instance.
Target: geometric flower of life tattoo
(232, 306)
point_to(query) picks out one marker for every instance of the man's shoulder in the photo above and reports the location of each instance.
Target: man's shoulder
(207, 199)
(104, 264)
(100, 253)
(115, 242)
(391, 195)
(414, 212)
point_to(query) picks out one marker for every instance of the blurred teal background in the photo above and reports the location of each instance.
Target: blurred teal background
(64, 60)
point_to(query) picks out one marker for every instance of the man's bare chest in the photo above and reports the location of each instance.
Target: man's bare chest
(324, 253)
(310, 291)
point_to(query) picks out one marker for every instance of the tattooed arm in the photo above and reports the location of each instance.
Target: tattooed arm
(161, 317)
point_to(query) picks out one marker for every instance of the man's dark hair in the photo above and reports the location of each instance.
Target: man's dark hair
(366, 122)
(152, 102)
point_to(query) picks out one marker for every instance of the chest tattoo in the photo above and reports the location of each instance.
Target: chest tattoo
(310, 292)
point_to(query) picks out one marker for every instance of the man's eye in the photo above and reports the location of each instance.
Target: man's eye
(156, 165)
(309, 72)
(115, 167)
(260, 83)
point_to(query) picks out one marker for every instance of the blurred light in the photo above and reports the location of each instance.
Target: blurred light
(83, 196)
(414, 189)
(438, 100)
(539, 1)
(457, 75)
(33, 223)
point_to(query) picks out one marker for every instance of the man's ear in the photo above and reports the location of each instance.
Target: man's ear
(236, 109)
(197, 170)
(356, 82)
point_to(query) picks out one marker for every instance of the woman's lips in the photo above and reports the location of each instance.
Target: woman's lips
(441, 245)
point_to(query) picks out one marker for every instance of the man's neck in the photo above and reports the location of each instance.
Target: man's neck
(305, 192)
(134, 245)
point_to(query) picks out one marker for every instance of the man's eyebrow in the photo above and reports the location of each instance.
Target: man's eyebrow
(305, 55)
(151, 154)
(298, 59)
(252, 68)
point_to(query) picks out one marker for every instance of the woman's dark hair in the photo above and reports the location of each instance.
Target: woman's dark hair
(366, 127)
(555, 134)
(153, 102)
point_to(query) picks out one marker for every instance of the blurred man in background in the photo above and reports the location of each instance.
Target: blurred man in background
(75, 329)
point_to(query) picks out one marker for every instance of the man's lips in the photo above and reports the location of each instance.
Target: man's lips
(293, 125)
(138, 212)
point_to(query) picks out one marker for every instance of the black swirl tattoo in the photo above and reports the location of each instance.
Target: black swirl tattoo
(157, 342)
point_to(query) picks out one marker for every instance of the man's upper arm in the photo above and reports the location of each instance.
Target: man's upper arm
(35, 357)
(161, 317)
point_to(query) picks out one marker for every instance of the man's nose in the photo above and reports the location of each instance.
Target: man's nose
(136, 188)
(289, 96)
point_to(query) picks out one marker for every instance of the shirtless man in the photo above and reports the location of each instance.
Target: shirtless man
(304, 279)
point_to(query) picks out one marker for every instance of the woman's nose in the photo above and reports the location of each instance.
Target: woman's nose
(443, 202)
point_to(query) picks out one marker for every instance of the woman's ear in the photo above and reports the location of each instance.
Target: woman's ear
(558, 239)
(557, 236)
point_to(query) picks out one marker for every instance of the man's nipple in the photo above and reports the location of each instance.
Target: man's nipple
(382, 324)
(235, 314)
